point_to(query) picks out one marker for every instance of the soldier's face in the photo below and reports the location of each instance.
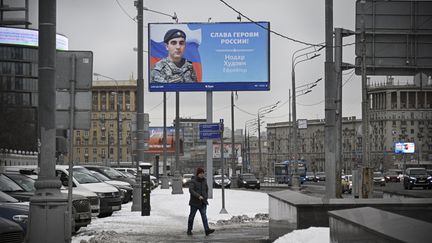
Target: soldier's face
(176, 48)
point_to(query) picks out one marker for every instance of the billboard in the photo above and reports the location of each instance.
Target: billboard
(404, 148)
(209, 56)
(156, 140)
(227, 150)
(28, 37)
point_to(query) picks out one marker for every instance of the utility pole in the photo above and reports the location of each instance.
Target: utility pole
(48, 205)
(330, 105)
(136, 204)
(119, 128)
(165, 183)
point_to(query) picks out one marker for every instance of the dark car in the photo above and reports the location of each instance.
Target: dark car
(10, 232)
(378, 179)
(391, 176)
(417, 177)
(310, 176)
(124, 188)
(111, 173)
(217, 181)
(248, 181)
(81, 205)
(11, 209)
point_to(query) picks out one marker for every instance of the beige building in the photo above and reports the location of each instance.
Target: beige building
(100, 143)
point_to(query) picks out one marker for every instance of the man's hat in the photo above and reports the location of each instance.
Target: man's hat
(199, 170)
(174, 33)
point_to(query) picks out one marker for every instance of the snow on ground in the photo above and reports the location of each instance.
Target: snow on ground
(309, 235)
(169, 213)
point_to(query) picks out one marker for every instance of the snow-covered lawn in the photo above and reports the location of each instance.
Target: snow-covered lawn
(169, 213)
(309, 235)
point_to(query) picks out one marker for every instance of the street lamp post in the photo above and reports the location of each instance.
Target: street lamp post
(261, 112)
(119, 119)
(295, 181)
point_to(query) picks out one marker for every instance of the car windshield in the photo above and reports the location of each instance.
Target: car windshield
(418, 172)
(111, 173)
(25, 182)
(377, 174)
(187, 176)
(84, 178)
(320, 174)
(6, 198)
(249, 177)
(219, 177)
(127, 174)
(100, 176)
(8, 185)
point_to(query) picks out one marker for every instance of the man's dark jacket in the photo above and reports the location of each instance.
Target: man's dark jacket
(198, 187)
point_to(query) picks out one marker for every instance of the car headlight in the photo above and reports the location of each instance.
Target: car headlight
(258, 181)
(100, 194)
(244, 182)
(382, 179)
(20, 218)
(184, 180)
(412, 178)
(429, 178)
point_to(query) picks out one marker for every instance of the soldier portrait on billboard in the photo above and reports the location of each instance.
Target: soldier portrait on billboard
(174, 68)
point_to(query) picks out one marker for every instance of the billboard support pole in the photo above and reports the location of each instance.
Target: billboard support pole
(209, 98)
(177, 187)
(165, 184)
(221, 126)
(233, 155)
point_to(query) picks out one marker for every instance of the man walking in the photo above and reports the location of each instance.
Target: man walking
(198, 190)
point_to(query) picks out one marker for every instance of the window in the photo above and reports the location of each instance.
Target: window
(127, 99)
(103, 101)
(95, 151)
(95, 104)
(112, 101)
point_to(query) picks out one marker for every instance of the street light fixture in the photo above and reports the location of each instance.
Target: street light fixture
(119, 118)
(295, 180)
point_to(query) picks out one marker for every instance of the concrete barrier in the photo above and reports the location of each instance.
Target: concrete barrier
(373, 225)
(290, 210)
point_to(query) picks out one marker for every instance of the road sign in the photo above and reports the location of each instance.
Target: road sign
(210, 131)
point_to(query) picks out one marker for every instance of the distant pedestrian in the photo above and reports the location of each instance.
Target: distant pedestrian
(198, 189)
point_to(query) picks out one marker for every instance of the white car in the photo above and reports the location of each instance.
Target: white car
(109, 196)
(125, 188)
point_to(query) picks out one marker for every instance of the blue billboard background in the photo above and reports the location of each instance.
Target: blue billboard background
(225, 56)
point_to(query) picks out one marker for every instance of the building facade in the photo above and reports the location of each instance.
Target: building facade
(398, 113)
(109, 125)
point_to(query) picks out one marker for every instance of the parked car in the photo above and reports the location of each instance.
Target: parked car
(32, 171)
(111, 173)
(378, 179)
(109, 196)
(346, 184)
(248, 181)
(131, 171)
(13, 210)
(399, 172)
(125, 188)
(217, 181)
(310, 176)
(417, 177)
(10, 231)
(81, 205)
(186, 179)
(320, 176)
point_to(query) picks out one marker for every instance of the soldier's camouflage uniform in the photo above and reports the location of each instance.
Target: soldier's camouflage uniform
(166, 71)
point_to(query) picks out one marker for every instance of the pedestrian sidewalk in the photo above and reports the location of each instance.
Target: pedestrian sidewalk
(168, 220)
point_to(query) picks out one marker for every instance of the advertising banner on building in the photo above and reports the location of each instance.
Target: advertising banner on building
(404, 148)
(28, 37)
(209, 56)
(227, 150)
(156, 140)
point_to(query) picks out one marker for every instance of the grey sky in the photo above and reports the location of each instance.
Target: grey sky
(102, 27)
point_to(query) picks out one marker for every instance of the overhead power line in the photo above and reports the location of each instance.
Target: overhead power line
(124, 11)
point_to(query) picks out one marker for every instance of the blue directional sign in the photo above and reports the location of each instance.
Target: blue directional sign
(209, 131)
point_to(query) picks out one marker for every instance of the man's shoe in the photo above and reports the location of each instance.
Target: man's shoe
(189, 233)
(209, 231)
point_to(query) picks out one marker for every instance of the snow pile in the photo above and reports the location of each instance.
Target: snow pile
(309, 235)
(169, 214)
